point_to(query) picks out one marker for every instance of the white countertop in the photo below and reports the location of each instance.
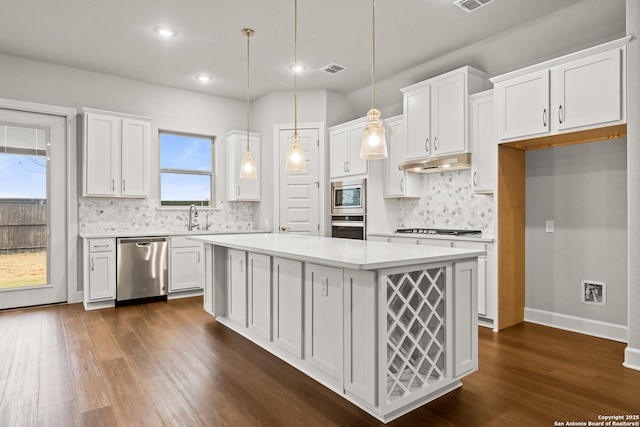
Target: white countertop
(154, 233)
(466, 237)
(354, 254)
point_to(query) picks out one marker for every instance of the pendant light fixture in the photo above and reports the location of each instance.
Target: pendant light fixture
(374, 144)
(295, 153)
(248, 165)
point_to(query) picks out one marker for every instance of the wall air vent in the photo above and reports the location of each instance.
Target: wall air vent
(332, 68)
(471, 5)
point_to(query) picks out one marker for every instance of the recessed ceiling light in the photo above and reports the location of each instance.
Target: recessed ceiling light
(296, 68)
(203, 78)
(165, 32)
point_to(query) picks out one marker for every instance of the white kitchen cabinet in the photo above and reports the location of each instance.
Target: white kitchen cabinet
(259, 288)
(484, 143)
(236, 147)
(397, 183)
(100, 283)
(360, 328)
(186, 264)
(287, 305)
(436, 113)
(323, 319)
(580, 91)
(465, 318)
(115, 154)
(237, 286)
(344, 149)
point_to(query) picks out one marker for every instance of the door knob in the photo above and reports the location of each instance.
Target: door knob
(283, 228)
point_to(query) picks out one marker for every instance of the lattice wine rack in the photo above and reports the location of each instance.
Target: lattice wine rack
(415, 330)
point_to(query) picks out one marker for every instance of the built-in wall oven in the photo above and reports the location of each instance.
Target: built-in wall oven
(349, 209)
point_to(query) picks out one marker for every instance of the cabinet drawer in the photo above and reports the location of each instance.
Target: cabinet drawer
(183, 242)
(102, 245)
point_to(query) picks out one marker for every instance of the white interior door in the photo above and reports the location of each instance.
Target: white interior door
(32, 209)
(300, 191)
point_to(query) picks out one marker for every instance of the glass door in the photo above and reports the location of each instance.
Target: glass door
(32, 209)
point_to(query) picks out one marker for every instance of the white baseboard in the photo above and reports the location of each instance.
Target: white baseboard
(632, 358)
(581, 325)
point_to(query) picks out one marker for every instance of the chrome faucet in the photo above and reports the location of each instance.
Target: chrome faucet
(193, 213)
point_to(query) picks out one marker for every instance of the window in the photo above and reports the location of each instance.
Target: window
(186, 169)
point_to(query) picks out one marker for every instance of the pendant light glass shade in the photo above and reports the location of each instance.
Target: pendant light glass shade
(296, 161)
(248, 165)
(374, 143)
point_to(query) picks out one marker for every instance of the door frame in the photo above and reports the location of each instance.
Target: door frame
(71, 189)
(323, 172)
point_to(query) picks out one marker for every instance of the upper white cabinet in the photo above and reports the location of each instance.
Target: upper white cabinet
(580, 91)
(236, 146)
(484, 142)
(398, 183)
(344, 146)
(115, 154)
(436, 112)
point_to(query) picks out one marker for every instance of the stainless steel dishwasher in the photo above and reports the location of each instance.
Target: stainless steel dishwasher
(142, 270)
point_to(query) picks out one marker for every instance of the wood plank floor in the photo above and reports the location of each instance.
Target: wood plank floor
(172, 364)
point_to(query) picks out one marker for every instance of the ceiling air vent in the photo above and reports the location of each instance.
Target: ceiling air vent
(332, 68)
(471, 5)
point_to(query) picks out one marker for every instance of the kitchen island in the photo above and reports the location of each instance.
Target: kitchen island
(387, 326)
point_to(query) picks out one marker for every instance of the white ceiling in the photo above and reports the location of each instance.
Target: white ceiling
(117, 37)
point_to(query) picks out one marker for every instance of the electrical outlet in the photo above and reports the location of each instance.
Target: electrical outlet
(549, 226)
(266, 222)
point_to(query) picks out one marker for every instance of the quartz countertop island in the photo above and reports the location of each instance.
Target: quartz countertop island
(389, 327)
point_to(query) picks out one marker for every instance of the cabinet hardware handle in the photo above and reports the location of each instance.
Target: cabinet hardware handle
(348, 166)
(560, 115)
(241, 265)
(426, 145)
(238, 190)
(124, 185)
(198, 256)
(100, 246)
(344, 167)
(544, 117)
(92, 264)
(113, 184)
(401, 184)
(435, 144)
(475, 179)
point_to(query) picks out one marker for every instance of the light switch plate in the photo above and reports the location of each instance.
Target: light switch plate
(324, 286)
(549, 226)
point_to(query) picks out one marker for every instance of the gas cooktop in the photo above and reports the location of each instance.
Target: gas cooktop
(444, 231)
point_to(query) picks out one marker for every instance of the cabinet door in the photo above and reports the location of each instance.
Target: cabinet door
(417, 116)
(360, 328)
(355, 164)
(448, 115)
(259, 278)
(338, 152)
(323, 319)
(187, 268)
(237, 286)
(523, 106)
(101, 157)
(589, 90)
(484, 161)
(465, 318)
(102, 276)
(135, 158)
(287, 305)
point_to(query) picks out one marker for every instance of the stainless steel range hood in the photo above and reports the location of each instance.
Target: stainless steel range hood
(437, 164)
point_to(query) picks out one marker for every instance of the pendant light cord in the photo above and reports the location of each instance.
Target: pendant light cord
(248, 33)
(295, 72)
(373, 73)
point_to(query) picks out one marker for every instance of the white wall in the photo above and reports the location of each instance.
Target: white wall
(582, 188)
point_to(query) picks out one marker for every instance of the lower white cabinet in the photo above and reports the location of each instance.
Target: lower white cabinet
(323, 318)
(259, 294)
(287, 305)
(360, 328)
(186, 264)
(237, 286)
(100, 277)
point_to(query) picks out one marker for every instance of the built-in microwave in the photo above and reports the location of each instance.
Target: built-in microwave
(349, 197)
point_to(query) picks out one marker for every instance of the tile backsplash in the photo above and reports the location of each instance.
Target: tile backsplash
(447, 200)
(98, 215)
